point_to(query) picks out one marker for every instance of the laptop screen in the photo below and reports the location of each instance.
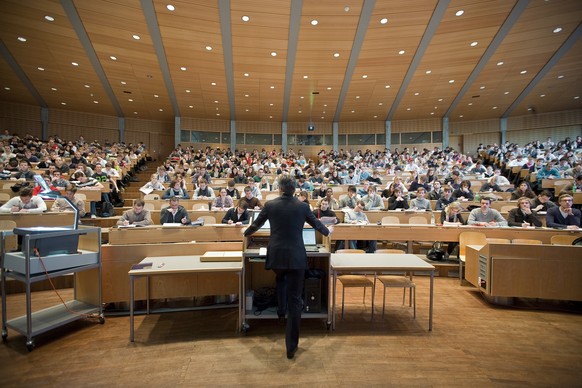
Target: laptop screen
(309, 236)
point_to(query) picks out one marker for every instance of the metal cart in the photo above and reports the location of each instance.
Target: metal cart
(25, 266)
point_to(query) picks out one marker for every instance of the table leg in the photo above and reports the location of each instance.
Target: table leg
(431, 300)
(333, 300)
(131, 308)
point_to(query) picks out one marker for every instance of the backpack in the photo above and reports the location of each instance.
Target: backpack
(436, 253)
(107, 209)
(264, 298)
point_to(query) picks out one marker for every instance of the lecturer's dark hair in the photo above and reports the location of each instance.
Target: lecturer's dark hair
(287, 185)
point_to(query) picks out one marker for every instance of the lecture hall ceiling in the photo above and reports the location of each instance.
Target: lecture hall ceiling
(293, 61)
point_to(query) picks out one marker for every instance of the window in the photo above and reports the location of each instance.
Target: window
(437, 137)
(395, 138)
(416, 137)
(362, 139)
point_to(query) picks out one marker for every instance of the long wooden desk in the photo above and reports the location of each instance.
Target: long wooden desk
(404, 232)
(377, 262)
(170, 234)
(24, 220)
(180, 265)
(527, 271)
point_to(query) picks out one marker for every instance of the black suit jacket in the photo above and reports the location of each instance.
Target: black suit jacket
(287, 216)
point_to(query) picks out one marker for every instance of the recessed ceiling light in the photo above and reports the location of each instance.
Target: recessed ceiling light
(183, 68)
(113, 58)
(451, 81)
(375, 116)
(481, 87)
(542, 95)
(273, 53)
(473, 44)
(40, 68)
(272, 87)
(459, 12)
(353, 111)
(302, 97)
(134, 113)
(130, 99)
(245, 18)
(190, 106)
(328, 88)
(560, 76)
(156, 96)
(246, 95)
(440, 100)
(187, 90)
(380, 103)
(365, 76)
(299, 111)
(408, 108)
(428, 71)
(417, 94)
(136, 37)
(209, 48)
(54, 89)
(95, 102)
(461, 116)
(87, 86)
(523, 72)
(74, 64)
(246, 74)
(346, 9)
(494, 107)
(470, 104)
(161, 110)
(213, 83)
(506, 93)
(246, 110)
(557, 29)
(63, 103)
(218, 114)
(383, 20)
(22, 39)
(216, 101)
(387, 86)
(49, 18)
(170, 7)
(270, 117)
(314, 22)
(271, 104)
(336, 55)
(305, 77)
(123, 82)
(357, 97)
(500, 63)
(401, 52)
(432, 113)
(6, 88)
(576, 97)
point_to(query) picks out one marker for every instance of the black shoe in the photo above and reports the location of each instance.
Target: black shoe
(291, 354)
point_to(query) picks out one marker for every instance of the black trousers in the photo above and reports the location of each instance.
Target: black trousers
(289, 292)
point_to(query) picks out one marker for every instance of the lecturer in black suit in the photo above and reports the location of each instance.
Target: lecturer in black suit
(286, 254)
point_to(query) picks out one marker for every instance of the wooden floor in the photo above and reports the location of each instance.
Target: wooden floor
(473, 344)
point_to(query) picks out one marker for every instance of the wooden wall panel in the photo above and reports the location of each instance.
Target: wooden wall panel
(300, 127)
(471, 127)
(545, 120)
(20, 119)
(262, 127)
(417, 125)
(150, 126)
(194, 124)
(557, 133)
(351, 127)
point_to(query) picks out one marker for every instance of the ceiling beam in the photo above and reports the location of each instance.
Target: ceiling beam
(7, 55)
(226, 32)
(294, 24)
(154, 29)
(566, 46)
(77, 24)
(363, 23)
(435, 21)
(493, 46)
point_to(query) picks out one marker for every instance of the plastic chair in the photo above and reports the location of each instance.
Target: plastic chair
(4, 197)
(418, 220)
(506, 208)
(390, 220)
(208, 219)
(271, 196)
(151, 197)
(562, 239)
(468, 238)
(355, 281)
(526, 241)
(149, 206)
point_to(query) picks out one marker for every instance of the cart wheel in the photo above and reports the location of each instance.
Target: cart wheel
(30, 345)
(245, 328)
(101, 319)
(328, 325)
(4, 335)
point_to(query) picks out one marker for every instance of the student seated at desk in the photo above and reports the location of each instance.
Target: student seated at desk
(562, 216)
(446, 198)
(485, 216)
(451, 216)
(523, 190)
(357, 216)
(543, 202)
(325, 211)
(420, 202)
(349, 201)
(303, 196)
(175, 190)
(397, 201)
(137, 216)
(373, 200)
(61, 205)
(523, 215)
(24, 203)
(175, 213)
(223, 201)
(153, 185)
(464, 193)
(251, 201)
(238, 215)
